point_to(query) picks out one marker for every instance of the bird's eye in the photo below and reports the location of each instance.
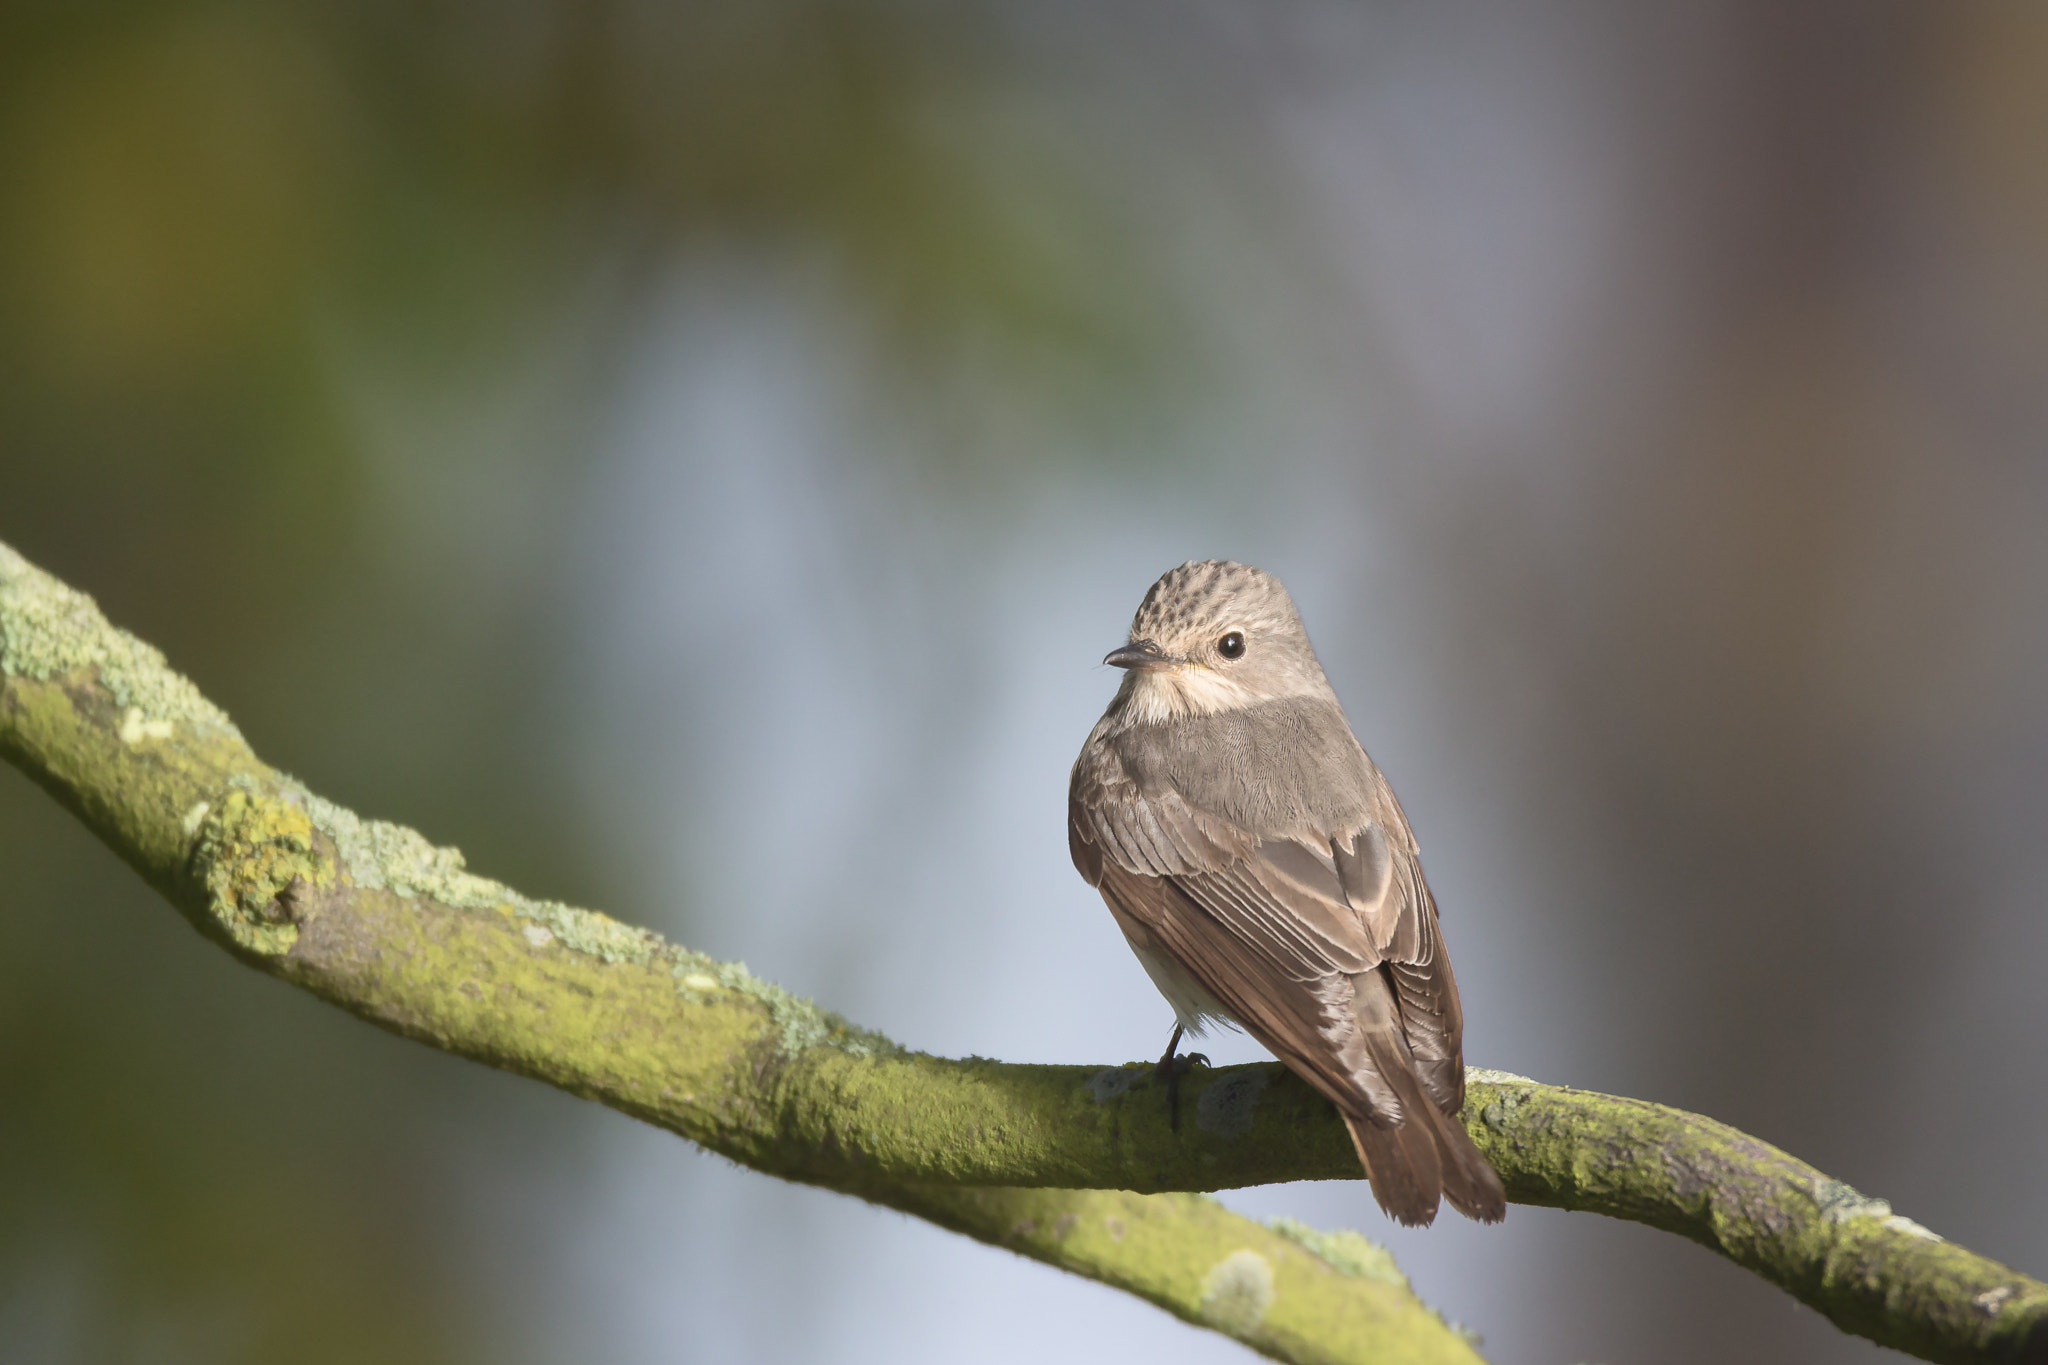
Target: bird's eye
(1231, 646)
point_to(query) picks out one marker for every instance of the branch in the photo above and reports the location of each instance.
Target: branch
(1052, 1161)
(375, 919)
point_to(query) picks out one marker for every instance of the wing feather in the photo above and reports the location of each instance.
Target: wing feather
(1324, 945)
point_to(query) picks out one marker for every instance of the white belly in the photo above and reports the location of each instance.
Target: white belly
(1193, 1007)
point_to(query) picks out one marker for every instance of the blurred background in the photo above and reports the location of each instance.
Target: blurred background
(692, 457)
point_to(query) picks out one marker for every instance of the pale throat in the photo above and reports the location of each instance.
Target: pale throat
(1185, 690)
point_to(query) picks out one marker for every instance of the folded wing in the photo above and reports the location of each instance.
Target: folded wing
(1324, 945)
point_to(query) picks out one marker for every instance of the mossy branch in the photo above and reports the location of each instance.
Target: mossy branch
(1072, 1165)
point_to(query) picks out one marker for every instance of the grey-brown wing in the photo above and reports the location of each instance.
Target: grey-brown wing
(1277, 929)
(1292, 1017)
(1427, 991)
(1284, 897)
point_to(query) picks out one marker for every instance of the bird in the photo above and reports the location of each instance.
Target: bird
(1265, 876)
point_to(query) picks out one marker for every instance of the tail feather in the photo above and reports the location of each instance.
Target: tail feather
(1471, 1185)
(1423, 1154)
(1427, 1155)
(1403, 1173)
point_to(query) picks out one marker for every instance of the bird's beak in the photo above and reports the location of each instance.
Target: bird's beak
(1139, 654)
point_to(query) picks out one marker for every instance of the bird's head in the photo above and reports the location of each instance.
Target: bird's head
(1215, 636)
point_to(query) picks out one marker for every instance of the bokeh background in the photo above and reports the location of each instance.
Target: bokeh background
(692, 457)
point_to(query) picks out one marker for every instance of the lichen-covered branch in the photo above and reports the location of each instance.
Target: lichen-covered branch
(1870, 1270)
(375, 919)
(1286, 1290)
(1050, 1160)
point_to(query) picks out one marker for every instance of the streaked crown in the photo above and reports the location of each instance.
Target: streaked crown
(1209, 596)
(1212, 636)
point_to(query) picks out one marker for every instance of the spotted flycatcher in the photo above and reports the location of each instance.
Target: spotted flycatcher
(1264, 874)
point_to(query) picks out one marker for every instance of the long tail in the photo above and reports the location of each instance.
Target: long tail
(1428, 1153)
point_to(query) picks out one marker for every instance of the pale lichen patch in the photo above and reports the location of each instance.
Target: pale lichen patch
(1347, 1252)
(1991, 1300)
(136, 727)
(799, 1023)
(1898, 1223)
(537, 936)
(1838, 1203)
(1480, 1075)
(1468, 1335)
(1512, 1092)
(49, 630)
(1113, 1081)
(1237, 1291)
(1230, 1104)
(1499, 1114)
(381, 855)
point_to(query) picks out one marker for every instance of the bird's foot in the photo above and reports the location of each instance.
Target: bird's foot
(1171, 1068)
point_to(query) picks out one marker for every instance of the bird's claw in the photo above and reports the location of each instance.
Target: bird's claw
(1171, 1068)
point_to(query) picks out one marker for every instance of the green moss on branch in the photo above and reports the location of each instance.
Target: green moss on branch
(1871, 1271)
(376, 919)
(1285, 1290)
